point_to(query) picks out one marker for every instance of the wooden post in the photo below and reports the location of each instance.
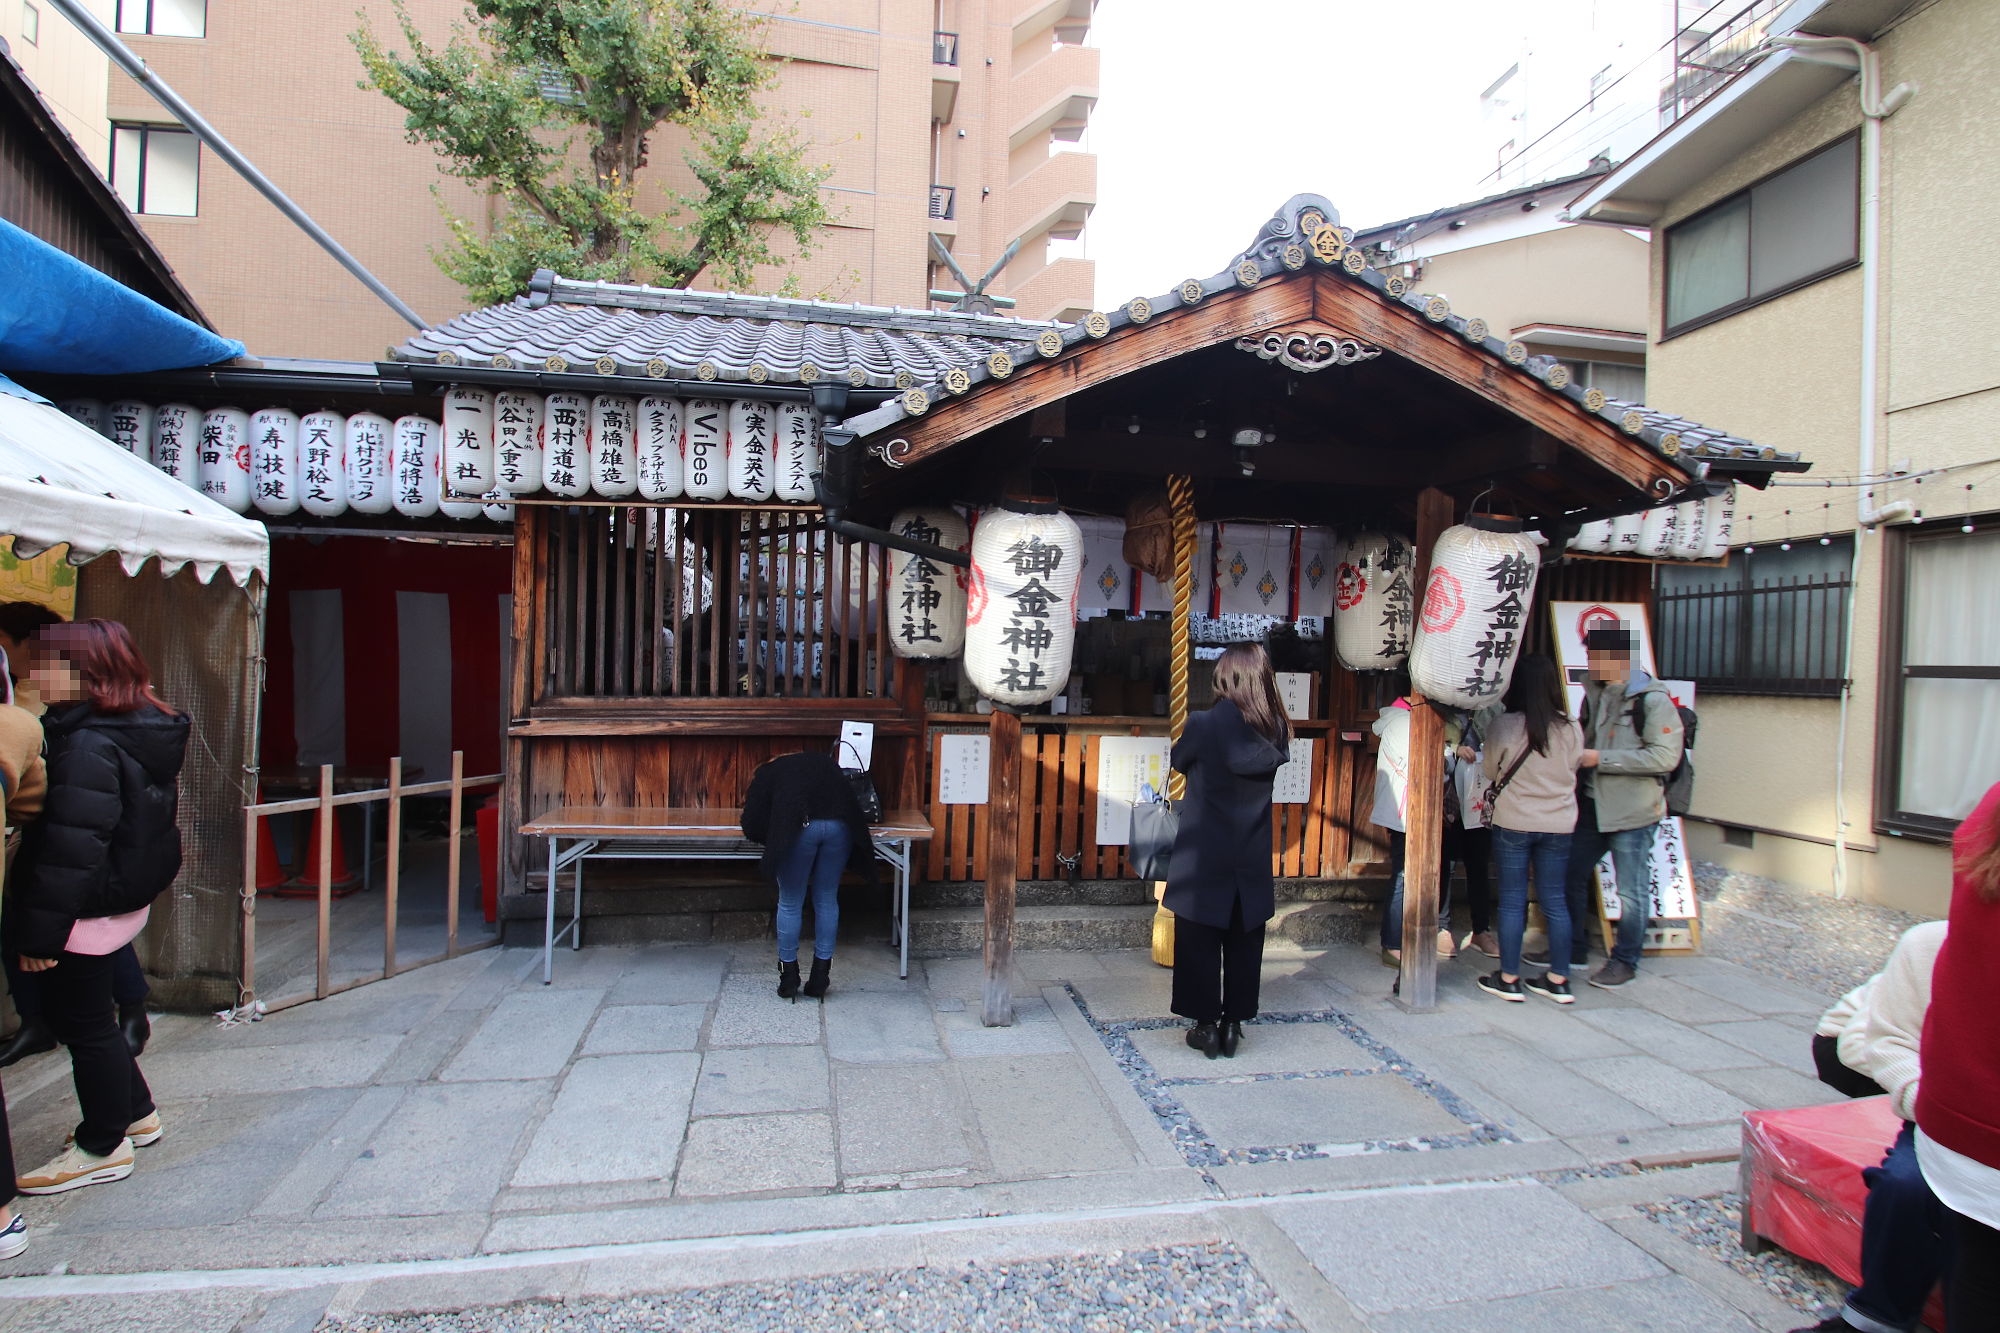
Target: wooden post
(454, 853)
(1003, 815)
(1423, 815)
(392, 867)
(328, 831)
(246, 986)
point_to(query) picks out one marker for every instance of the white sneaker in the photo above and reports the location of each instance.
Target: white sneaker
(1447, 948)
(73, 1168)
(14, 1237)
(143, 1133)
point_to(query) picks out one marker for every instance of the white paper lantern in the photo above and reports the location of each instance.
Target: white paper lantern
(130, 427)
(225, 458)
(1020, 619)
(926, 596)
(798, 451)
(176, 440)
(704, 453)
(369, 484)
(1593, 538)
(323, 463)
(468, 441)
(517, 442)
(1718, 524)
(566, 444)
(274, 461)
(614, 470)
(496, 507)
(1475, 609)
(415, 466)
(751, 428)
(1625, 533)
(1659, 530)
(659, 448)
(1374, 603)
(1690, 524)
(90, 411)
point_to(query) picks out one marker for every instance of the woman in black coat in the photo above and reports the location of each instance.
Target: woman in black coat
(107, 844)
(1219, 880)
(804, 811)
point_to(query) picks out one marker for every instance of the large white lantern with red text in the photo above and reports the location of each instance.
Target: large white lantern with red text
(797, 451)
(1020, 603)
(322, 463)
(517, 442)
(927, 596)
(468, 441)
(176, 442)
(224, 453)
(659, 448)
(274, 461)
(415, 465)
(705, 427)
(1476, 603)
(1374, 602)
(367, 448)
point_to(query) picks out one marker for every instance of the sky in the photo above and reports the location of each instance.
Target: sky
(1213, 112)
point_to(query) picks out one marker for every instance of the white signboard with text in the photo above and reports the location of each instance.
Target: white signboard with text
(1673, 885)
(1293, 784)
(962, 769)
(1124, 764)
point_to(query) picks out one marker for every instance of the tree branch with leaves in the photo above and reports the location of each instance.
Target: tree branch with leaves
(550, 107)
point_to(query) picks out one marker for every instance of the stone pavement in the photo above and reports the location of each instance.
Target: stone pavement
(659, 1121)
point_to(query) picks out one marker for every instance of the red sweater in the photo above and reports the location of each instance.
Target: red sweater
(1958, 1103)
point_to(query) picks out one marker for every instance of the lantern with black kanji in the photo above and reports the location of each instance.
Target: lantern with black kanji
(659, 448)
(1374, 603)
(1475, 610)
(176, 436)
(322, 463)
(1718, 523)
(1020, 603)
(86, 411)
(566, 445)
(1659, 531)
(927, 596)
(1592, 538)
(1690, 524)
(613, 461)
(224, 458)
(705, 471)
(517, 442)
(468, 440)
(274, 461)
(414, 467)
(751, 427)
(797, 452)
(367, 450)
(130, 426)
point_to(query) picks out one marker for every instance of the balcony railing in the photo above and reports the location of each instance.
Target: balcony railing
(944, 48)
(941, 202)
(1708, 57)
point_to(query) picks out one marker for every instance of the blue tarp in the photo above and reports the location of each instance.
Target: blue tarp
(58, 315)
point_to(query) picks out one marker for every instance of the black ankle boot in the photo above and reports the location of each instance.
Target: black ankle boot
(31, 1038)
(1231, 1037)
(788, 981)
(819, 978)
(1206, 1038)
(138, 1029)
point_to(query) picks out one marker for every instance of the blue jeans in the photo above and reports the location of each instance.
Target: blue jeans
(1631, 860)
(814, 865)
(1904, 1243)
(1548, 854)
(1392, 911)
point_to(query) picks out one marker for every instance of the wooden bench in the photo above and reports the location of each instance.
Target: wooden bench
(680, 834)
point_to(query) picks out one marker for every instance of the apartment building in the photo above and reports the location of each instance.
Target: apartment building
(1824, 276)
(68, 72)
(946, 119)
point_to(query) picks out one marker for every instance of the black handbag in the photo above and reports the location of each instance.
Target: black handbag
(863, 786)
(1154, 826)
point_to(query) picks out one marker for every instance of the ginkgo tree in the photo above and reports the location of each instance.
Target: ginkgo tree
(552, 106)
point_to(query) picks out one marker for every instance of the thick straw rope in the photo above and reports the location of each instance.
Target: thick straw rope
(1180, 503)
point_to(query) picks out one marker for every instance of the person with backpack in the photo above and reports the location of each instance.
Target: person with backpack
(1632, 739)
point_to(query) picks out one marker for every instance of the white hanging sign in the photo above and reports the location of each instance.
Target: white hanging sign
(705, 455)
(613, 458)
(368, 480)
(1293, 783)
(963, 769)
(496, 507)
(749, 448)
(798, 451)
(659, 443)
(856, 747)
(517, 442)
(225, 458)
(322, 463)
(566, 444)
(274, 461)
(414, 467)
(176, 439)
(468, 441)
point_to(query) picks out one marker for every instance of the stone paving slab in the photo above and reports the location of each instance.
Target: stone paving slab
(1759, 997)
(1116, 998)
(752, 1153)
(1684, 1048)
(640, 1029)
(746, 1080)
(1675, 1097)
(879, 1028)
(1670, 998)
(530, 1034)
(1657, 1305)
(616, 1117)
(1550, 1094)
(1432, 1246)
(669, 974)
(895, 1120)
(1267, 1048)
(446, 1148)
(1338, 1111)
(1041, 1115)
(748, 1012)
(1782, 1042)
(222, 1067)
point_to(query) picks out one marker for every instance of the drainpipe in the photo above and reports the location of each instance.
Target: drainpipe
(833, 487)
(1876, 107)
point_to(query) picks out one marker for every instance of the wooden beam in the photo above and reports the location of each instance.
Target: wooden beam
(1003, 815)
(1423, 812)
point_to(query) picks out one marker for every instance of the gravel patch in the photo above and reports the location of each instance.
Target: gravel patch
(1714, 1224)
(1183, 1287)
(1826, 944)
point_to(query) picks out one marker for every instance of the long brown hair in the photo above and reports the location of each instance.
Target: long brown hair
(115, 677)
(1977, 852)
(1243, 676)
(1537, 695)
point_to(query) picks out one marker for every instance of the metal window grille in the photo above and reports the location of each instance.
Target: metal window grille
(1709, 55)
(941, 201)
(1784, 635)
(644, 602)
(944, 48)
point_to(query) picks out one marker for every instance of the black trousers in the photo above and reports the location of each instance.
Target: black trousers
(80, 1011)
(7, 1191)
(1972, 1284)
(1217, 969)
(128, 982)
(1473, 849)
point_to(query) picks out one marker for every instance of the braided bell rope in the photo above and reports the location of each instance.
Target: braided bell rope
(1180, 503)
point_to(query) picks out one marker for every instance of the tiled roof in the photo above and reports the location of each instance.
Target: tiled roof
(1283, 246)
(672, 333)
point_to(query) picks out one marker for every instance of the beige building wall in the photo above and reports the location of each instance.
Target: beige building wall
(858, 82)
(70, 73)
(1786, 373)
(1581, 276)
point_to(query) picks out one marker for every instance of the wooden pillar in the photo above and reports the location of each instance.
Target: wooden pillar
(1423, 814)
(1003, 820)
(519, 679)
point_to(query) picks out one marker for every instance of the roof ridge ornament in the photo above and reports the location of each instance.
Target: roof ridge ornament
(1301, 217)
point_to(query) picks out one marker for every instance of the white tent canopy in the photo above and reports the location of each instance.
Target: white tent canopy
(62, 482)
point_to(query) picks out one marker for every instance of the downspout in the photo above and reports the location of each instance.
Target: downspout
(1875, 108)
(833, 487)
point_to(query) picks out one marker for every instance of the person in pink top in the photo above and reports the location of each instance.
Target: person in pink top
(107, 844)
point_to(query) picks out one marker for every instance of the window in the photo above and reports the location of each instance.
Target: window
(1940, 738)
(155, 169)
(1787, 230)
(1772, 622)
(31, 23)
(164, 18)
(1617, 380)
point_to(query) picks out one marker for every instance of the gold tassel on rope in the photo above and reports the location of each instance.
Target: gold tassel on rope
(1180, 501)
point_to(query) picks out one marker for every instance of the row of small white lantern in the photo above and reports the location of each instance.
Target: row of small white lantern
(491, 445)
(1691, 530)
